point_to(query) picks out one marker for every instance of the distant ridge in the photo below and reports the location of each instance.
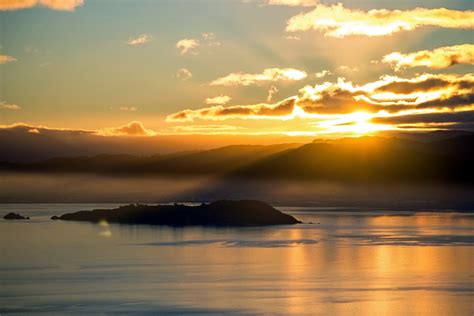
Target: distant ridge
(363, 159)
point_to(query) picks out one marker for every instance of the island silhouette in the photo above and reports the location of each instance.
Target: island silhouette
(14, 216)
(219, 213)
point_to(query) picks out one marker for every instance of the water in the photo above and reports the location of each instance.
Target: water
(348, 262)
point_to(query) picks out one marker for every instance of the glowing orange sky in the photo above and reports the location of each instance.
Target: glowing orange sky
(297, 67)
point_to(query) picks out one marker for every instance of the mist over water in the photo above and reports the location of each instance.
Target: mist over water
(366, 263)
(86, 188)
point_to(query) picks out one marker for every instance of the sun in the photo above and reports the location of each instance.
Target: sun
(354, 123)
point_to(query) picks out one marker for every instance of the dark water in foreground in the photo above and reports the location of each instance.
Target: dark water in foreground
(347, 263)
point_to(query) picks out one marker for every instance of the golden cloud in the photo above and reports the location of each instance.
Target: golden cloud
(60, 5)
(219, 100)
(390, 95)
(134, 128)
(206, 129)
(439, 58)
(338, 21)
(220, 112)
(269, 74)
(6, 59)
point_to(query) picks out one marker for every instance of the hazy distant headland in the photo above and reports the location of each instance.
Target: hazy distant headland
(360, 160)
(416, 171)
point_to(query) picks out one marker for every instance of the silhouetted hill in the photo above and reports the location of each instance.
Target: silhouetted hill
(220, 213)
(372, 159)
(364, 159)
(215, 161)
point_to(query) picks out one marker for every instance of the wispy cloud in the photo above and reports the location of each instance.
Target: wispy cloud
(207, 129)
(140, 39)
(438, 58)
(338, 21)
(184, 74)
(60, 5)
(6, 59)
(128, 108)
(189, 46)
(270, 74)
(271, 92)
(221, 99)
(346, 68)
(292, 3)
(9, 106)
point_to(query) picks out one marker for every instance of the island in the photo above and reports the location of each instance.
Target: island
(11, 216)
(219, 213)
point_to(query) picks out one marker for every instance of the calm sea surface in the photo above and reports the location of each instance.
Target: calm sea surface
(344, 263)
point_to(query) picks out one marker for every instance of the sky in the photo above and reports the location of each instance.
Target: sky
(290, 67)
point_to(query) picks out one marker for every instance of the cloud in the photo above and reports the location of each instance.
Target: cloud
(207, 129)
(40, 129)
(292, 38)
(7, 106)
(140, 39)
(60, 5)
(187, 46)
(322, 73)
(438, 58)
(6, 59)
(426, 118)
(292, 3)
(128, 108)
(190, 45)
(269, 74)
(220, 112)
(221, 100)
(388, 96)
(134, 128)
(338, 21)
(271, 92)
(209, 36)
(345, 68)
(184, 74)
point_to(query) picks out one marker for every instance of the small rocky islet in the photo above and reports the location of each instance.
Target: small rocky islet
(219, 213)
(14, 216)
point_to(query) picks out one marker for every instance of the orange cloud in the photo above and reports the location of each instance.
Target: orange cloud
(220, 112)
(390, 95)
(338, 21)
(6, 59)
(60, 5)
(439, 58)
(134, 128)
(269, 74)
